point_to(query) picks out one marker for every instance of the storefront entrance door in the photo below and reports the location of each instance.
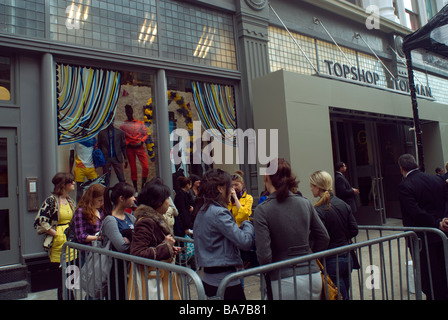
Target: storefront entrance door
(9, 217)
(371, 150)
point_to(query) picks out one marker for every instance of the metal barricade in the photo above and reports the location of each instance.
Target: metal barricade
(427, 237)
(187, 257)
(379, 283)
(97, 273)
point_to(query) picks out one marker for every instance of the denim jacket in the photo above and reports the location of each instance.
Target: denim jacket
(218, 238)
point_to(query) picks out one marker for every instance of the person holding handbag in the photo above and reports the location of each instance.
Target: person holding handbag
(284, 224)
(54, 217)
(152, 239)
(341, 225)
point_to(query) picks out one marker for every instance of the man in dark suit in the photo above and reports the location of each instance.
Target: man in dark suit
(343, 189)
(423, 204)
(112, 143)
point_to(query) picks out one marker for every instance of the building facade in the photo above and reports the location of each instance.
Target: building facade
(328, 75)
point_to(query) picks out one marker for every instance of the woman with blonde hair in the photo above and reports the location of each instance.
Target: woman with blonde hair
(341, 225)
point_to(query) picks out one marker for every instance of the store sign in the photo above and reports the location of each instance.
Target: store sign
(370, 77)
(351, 73)
(403, 85)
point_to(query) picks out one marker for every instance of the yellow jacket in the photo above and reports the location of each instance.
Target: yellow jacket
(245, 210)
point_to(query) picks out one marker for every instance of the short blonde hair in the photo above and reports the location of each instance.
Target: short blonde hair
(324, 182)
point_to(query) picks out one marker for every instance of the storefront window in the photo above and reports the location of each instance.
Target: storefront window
(5, 78)
(197, 106)
(111, 110)
(136, 102)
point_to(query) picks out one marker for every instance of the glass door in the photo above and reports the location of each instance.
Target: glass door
(9, 217)
(370, 150)
(366, 169)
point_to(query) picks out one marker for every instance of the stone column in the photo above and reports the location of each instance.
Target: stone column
(49, 122)
(252, 21)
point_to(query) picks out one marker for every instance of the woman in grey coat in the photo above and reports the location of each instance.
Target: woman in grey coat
(284, 224)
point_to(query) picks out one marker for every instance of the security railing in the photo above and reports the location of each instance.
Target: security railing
(389, 268)
(371, 255)
(428, 238)
(98, 273)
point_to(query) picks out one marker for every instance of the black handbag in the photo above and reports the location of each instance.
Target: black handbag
(70, 232)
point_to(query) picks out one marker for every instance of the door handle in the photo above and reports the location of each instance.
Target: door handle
(376, 206)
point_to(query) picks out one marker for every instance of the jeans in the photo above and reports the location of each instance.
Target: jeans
(343, 280)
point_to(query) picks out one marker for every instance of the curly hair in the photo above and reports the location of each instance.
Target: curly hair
(86, 202)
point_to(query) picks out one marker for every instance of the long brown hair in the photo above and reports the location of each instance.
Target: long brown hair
(86, 202)
(283, 179)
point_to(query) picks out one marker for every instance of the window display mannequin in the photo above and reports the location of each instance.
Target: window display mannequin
(81, 153)
(136, 135)
(112, 143)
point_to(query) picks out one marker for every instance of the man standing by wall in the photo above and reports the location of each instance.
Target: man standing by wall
(344, 190)
(423, 204)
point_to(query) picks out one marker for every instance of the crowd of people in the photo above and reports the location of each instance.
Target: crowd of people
(216, 210)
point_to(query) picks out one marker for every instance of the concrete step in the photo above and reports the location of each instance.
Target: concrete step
(13, 282)
(13, 273)
(14, 290)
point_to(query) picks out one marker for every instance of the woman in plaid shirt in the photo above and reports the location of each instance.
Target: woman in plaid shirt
(89, 215)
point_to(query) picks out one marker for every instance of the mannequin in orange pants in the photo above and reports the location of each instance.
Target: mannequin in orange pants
(136, 134)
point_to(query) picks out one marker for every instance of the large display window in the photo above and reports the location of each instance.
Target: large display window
(111, 111)
(5, 78)
(197, 107)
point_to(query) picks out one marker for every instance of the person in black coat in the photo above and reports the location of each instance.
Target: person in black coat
(341, 225)
(423, 200)
(184, 204)
(343, 189)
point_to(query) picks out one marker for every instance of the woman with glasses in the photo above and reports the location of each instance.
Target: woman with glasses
(53, 218)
